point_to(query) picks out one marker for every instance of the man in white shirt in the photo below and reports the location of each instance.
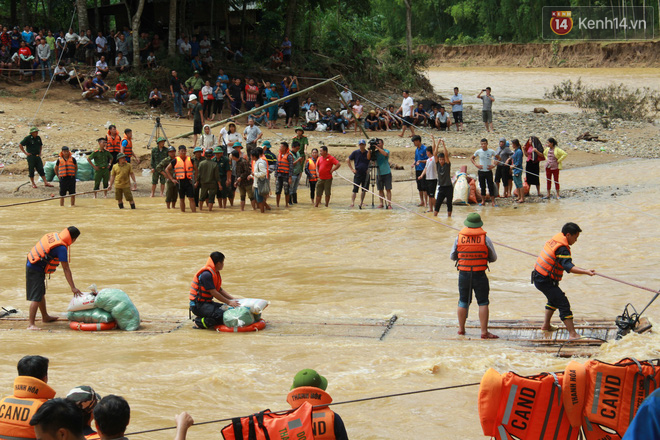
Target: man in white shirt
(251, 135)
(102, 67)
(485, 167)
(457, 109)
(184, 48)
(101, 45)
(406, 109)
(43, 53)
(347, 96)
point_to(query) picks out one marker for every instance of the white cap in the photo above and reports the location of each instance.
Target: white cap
(192, 98)
(328, 109)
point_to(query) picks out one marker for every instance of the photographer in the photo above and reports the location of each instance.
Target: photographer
(384, 181)
(487, 111)
(360, 171)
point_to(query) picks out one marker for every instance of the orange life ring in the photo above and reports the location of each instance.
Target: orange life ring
(259, 325)
(91, 326)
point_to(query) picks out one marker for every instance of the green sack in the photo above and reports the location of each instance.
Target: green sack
(49, 171)
(90, 316)
(237, 317)
(85, 171)
(120, 307)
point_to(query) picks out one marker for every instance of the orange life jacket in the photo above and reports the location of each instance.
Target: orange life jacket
(323, 418)
(128, 149)
(197, 292)
(517, 407)
(113, 143)
(314, 176)
(283, 163)
(65, 167)
(293, 425)
(40, 250)
(17, 410)
(614, 392)
(546, 263)
(472, 250)
(183, 169)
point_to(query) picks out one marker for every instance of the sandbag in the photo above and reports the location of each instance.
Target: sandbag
(49, 171)
(83, 302)
(121, 308)
(90, 316)
(461, 190)
(238, 317)
(473, 192)
(255, 305)
(321, 126)
(85, 170)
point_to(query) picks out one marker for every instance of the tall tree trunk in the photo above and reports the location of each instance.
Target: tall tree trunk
(290, 14)
(135, 28)
(243, 13)
(408, 27)
(24, 12)
(226, 12)
(97, 16)
(171, 31)
(12, 11)
(83, 19)
(182, 18)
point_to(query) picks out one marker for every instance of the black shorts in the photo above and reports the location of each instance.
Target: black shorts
(408, 120)
(556, 297)
(209, 314)
(503, 173)
(421, 184)
(384, 182)
(476, 282)
(444, 193)
(286, 58)
(197, 127)
(431, 186)
(67, 185)
(186, 189)
(442, 126)
(361, 179)
(458, 117)
(35, 285)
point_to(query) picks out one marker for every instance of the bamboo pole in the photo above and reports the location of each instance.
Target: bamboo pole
(270, 104)
(50, 198)
(341, 98)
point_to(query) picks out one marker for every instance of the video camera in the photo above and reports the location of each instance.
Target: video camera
(372, 147)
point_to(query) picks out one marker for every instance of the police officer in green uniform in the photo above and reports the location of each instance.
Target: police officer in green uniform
(102, 162)
(171, 191)
(158, 153)
(31, 146)
(224, 169)
(196, 160)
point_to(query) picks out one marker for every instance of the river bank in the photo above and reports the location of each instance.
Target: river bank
(575, 54)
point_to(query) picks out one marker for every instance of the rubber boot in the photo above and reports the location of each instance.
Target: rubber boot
(121, 205)
(132, 205)
(294, 198)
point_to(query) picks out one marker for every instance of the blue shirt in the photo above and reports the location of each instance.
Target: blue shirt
(206, 280)
(646, 424)
(59, 252)
(383, 163)
(194, 48)
(223, 78)
(98, 82)
(27, 36)
(517, 162)
(361, 161)
(420, 155)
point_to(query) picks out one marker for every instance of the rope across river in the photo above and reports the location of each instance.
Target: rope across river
(365, 399)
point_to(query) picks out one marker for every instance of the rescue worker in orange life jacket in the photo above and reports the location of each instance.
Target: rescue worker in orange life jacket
(555, 258)
(43, 259)
(30, 392)
(184, 171)
(309, 386)
(58, 419)
(86, 399)
(206, 285)
(66, 168)
(472, 252)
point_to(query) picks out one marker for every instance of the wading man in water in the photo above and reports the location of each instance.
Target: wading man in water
(43, 260)
(206, 285)
(555, 258)
(472, 252)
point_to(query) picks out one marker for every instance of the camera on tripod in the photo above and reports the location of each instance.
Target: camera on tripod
(372, 147)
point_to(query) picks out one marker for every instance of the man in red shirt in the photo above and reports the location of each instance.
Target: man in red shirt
(325, 165)
(121, 91)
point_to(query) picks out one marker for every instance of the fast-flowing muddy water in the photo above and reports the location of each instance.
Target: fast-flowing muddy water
(333, 266)
(524, 89)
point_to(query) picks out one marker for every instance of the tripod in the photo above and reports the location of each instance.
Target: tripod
(373, 176)
(156, 133)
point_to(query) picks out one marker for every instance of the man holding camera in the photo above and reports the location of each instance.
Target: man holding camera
(360, 171)
(384, 181)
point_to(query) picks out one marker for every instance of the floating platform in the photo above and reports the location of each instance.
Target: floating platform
(148, 326)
